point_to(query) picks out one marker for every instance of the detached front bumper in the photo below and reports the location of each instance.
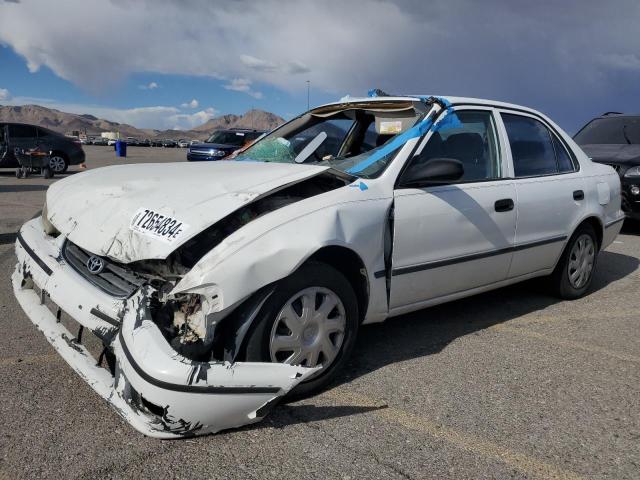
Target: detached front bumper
(159, 392)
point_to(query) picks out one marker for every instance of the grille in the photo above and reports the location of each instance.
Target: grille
(115, 279)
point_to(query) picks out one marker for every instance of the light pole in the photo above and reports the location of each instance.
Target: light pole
(308, 88)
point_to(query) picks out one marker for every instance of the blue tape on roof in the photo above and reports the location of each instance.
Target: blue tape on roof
(372, 93)
(450, 119)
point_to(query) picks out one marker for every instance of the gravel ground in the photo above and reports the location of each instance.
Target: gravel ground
(509, 384)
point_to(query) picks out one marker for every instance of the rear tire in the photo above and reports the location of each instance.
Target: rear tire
(58, 163)
(572, 276)
(316, 286)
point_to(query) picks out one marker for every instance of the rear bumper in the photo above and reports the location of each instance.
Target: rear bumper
(159, 392)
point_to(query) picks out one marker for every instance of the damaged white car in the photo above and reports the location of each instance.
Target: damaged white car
(217, 288)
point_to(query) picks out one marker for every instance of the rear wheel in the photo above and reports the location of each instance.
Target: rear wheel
(311, 319)
(574, 272)
(58, 163)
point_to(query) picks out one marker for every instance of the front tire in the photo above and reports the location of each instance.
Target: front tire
(311, 319)
(573, 275)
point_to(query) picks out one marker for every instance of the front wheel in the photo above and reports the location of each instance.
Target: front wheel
(574, 272)
(311, 319)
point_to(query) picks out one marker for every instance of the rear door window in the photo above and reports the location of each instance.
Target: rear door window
(22, 131)
(531, 146)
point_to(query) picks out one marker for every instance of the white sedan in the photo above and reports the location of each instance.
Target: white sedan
(216, 288)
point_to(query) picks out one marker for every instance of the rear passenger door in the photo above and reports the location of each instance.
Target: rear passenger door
(549, 192)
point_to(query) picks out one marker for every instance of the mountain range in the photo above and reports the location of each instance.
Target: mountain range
(65, 123)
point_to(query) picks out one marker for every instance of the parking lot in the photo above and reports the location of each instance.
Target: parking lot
(508, 384)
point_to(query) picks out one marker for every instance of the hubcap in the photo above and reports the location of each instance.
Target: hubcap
(581, 260)
(57, 164)
(309, 329)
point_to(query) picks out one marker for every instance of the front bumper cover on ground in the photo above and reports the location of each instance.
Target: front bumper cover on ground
(159, 392)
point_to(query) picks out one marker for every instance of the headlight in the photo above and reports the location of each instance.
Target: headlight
(217, 153)
(633, 172)
(48, 227)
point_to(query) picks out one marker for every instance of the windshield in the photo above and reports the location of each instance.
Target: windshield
(237, 139)
(353, 140)
(614, 130)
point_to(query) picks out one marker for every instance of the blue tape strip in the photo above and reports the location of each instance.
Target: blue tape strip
(450, 119)
(397, 142)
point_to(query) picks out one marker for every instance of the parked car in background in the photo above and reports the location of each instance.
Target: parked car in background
(156, 142)
(99, 141)
(216, 299)
(111, 142)
(614, 139)
(182, 143)
(64, 150)
(222, 143)
(144, 143)
(169, 143)
(131, 142)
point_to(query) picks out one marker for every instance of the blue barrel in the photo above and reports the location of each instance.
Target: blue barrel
(121, 148)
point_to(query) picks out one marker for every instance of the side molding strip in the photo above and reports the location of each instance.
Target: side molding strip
(475, 256)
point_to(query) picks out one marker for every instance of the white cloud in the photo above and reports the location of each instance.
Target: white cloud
(4, 94)
(149, 86)
(513, 51)
(243, 85)
(192, 104)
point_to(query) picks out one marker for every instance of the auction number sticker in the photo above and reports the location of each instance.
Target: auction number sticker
(152, 223)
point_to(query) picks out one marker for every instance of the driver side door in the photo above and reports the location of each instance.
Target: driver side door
(454, 238)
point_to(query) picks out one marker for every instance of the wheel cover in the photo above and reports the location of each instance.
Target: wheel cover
(57, 164)
(581, 259)
(309, 330)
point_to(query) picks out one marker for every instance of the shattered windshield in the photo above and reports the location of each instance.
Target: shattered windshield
(355, 140)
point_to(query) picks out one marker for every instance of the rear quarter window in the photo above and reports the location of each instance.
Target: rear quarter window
(531, 145)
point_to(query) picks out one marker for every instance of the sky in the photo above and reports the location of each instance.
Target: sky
(178, 63)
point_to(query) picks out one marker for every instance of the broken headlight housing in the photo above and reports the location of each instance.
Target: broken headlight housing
(187, 321)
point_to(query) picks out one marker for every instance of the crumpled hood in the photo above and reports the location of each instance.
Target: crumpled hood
(146, 211)
(616, 153)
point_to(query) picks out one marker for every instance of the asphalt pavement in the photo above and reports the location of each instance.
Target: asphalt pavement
(508, 384)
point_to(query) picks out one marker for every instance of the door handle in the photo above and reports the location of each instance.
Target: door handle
(504, 205)
(578, 195)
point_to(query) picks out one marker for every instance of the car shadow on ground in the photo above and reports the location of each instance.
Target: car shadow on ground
(431, 330)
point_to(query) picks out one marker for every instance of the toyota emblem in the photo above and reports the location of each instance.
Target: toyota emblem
(95, 265)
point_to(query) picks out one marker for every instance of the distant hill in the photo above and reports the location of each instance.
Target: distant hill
(64, 122)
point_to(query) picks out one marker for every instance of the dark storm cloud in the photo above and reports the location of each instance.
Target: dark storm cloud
(570, 59)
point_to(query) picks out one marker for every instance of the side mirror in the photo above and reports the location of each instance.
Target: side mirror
(436, 171)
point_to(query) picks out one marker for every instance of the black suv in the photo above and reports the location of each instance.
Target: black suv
(222, 143)
(18, 136)
(614, 139)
